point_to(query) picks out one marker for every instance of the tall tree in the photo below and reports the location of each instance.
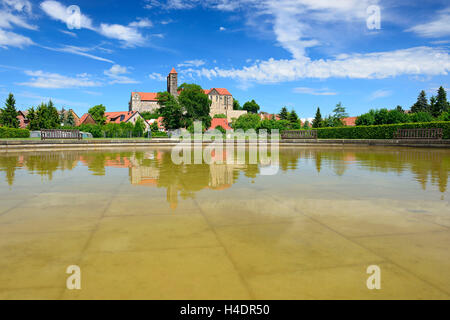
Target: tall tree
(293, 117)
(441, 105)
(195, 104)
(70, 120)
(339, 111)
(317, 122)
(284, 113)
(422, 103)
(33, 120)
(8, 115)
(251, 106)
(98, 114)
(47, 116)
(171, 111)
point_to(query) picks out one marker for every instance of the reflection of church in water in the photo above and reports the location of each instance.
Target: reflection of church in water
(178, 181)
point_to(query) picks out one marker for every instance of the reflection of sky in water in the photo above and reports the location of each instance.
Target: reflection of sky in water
(348, 173)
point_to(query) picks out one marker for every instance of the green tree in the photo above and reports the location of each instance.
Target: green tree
(247, 121)
(8, 115)
(150, 115)
(139, 128)
(317, 122)
(154, 127)
(284, 114)
(366, 119)
(293, 117)
(251, 106)
(339, 111)
(422, 103)
(236, 105)
(33, 120)
(195, 104)
(98, 114)
(306, 125)
(220, 116)
(70, 121)
(421, 117)
(441, 105)
(47, 116)
(171, 111)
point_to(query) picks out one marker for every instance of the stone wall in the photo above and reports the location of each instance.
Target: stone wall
(144, 106)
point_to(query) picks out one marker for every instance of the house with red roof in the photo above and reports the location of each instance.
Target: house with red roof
(126, 117)
(86, 119)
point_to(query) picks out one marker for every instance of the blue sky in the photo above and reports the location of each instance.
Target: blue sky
(300, 53)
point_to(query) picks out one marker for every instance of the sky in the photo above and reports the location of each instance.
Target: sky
(302, 54)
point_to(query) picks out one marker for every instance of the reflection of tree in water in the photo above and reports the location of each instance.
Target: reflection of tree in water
(44, 164)
(9, 164)
(434, 164)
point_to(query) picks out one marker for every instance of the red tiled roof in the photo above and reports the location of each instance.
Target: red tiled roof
(147, 96)
(220, 122)
(221, 91)
(116, 117)
(84, 117)
(351, 121)
(173, 71)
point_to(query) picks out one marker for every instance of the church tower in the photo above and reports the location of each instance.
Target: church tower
(172, 83)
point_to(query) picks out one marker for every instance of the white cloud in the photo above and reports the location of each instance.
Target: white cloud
(380, 94)
(439, 27)
(46, 80)
(11, 39)
(222, 29)
(19, 5)
(157, 76)
(130, 36)
(7, 20)
(81, 51)
(192, 63)
(379, 65)
(141, 23)
(14, 13)
(116, 75)
(314, 91)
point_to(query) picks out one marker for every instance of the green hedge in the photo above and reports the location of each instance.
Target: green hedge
(14, 133)
(378, 132)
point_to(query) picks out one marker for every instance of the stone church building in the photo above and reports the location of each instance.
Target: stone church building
(222, 100)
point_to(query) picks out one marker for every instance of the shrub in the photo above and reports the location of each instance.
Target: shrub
(220, 116)
(14, 133)
(94, 129)
(420, 117)
(378, 132)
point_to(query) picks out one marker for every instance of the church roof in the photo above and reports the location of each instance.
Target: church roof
(147, 96)
(173, 71)
(221, 91)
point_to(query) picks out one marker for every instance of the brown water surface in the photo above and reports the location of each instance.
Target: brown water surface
(141, 227)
